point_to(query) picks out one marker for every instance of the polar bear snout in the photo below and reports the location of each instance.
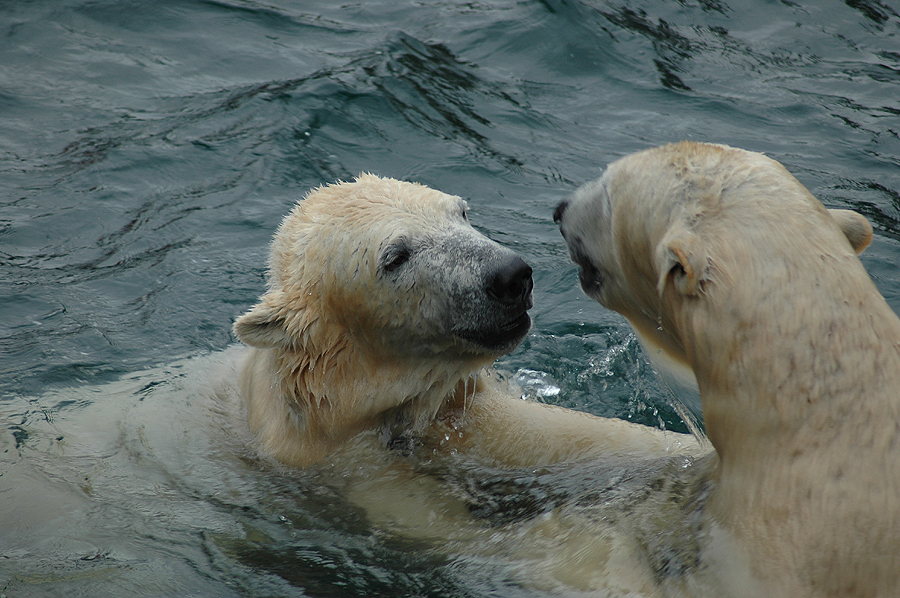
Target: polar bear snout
(511, 282)
(590, 274)
(590, 277)
(560, 210)
(495, 318)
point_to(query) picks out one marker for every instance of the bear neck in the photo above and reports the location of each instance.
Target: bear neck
(801, 399)
(345, 390)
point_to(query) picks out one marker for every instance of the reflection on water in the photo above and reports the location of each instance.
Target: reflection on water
(148, 151)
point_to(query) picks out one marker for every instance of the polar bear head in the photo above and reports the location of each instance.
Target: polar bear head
(664, 226)
(381, 295)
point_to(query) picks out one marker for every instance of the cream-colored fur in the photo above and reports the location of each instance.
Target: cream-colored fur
(382, 308)
(722, 260)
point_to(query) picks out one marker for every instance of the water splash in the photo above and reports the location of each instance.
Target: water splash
(536, 385)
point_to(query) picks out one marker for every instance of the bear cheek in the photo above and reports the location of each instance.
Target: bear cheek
(404, 325)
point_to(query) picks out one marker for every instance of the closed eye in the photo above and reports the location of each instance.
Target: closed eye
(463, 210)
(394, 256)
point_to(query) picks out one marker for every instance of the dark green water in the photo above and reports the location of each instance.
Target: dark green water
(149, 149)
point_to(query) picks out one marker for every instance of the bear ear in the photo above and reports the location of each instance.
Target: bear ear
(263, 327)
(855, 227)
(680, 256)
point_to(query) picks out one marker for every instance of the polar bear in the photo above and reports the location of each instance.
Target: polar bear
(381, 300)
(383, 304)
(722, 261)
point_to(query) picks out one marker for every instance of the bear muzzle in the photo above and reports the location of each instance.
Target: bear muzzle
(589, 275)
(511, 283)
(502, 321)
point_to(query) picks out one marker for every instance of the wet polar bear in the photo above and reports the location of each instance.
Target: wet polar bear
(383, 304)
(722, 261)
(381, 300)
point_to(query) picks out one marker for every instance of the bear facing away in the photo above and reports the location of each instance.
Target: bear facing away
(383, 304)
(722, 261)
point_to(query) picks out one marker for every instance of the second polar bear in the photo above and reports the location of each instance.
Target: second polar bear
(724, 262)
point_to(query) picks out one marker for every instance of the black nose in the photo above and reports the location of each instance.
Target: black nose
(511, 282)
(558, 212)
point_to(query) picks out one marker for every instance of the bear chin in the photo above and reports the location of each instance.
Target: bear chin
(498, 339)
